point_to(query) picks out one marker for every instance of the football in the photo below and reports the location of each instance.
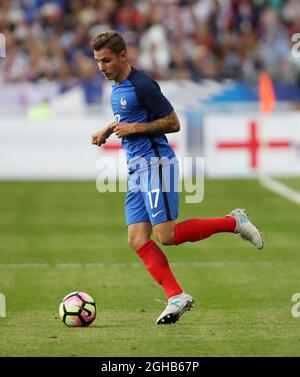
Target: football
(77, 309)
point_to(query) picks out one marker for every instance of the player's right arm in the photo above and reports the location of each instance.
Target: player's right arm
(99, 138)
(163, 119)
(164, 125)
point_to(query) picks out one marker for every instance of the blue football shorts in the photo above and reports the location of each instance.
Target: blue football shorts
(152, 194)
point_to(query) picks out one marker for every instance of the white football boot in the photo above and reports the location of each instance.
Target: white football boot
(177, 305)
(245, 229)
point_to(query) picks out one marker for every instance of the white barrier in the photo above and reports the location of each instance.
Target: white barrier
(248, 145)
(60, 147)
(234, 146)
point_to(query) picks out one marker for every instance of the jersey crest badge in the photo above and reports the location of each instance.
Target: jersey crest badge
(123, 102)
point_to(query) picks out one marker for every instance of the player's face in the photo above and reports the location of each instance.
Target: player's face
(110, 64)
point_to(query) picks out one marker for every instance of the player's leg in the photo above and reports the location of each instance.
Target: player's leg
(165, 211)
(153, 258)
(162, 203)
(192, 230)
(157, 264)
(237, 221)
(164, 232)
(159, 209)
(139, 238)
(139, 234)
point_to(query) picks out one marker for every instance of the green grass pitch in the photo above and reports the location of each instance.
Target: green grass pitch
(58, 237)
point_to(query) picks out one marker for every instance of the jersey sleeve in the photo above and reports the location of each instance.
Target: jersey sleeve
(154, 101)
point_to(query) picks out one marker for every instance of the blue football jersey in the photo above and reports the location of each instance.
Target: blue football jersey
(138, 99)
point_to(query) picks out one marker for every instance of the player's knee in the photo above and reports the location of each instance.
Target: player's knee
(135, 242)
(165, 238)
(132, 243)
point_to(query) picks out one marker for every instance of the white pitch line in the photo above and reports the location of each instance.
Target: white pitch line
(280, 188)
(23, 265)
(18, 266)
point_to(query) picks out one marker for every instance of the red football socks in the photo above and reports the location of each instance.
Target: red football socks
(198, 229)
(158, 266)
(190, 230)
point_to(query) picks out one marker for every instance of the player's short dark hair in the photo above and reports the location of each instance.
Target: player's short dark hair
(111, 40)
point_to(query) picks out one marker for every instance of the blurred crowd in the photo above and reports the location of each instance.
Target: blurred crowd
(186, 39)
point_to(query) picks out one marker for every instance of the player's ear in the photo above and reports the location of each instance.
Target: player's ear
(123, 56)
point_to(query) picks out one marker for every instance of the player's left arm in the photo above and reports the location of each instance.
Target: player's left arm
(167, 124)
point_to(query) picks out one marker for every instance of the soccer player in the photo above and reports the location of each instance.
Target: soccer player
(143, 116)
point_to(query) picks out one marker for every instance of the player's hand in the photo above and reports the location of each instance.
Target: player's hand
(124, 129)
(99, 138)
